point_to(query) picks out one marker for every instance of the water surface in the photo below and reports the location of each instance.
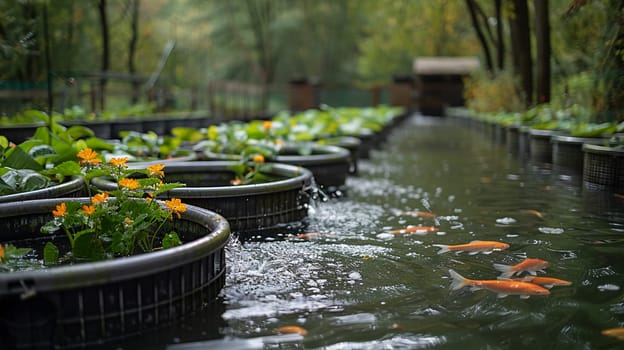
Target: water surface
(355, 286)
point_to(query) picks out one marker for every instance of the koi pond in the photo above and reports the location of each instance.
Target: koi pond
(355, 280)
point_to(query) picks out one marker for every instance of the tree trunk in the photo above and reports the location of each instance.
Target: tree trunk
(500, 41)
(521, 48)
(542, 37)
(484, 45)
(105, 50)
(134, 35)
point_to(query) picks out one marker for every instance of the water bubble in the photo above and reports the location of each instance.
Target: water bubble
(608, 287)
(506, 221)
(385, 236)
(354, 275)
(551, 230)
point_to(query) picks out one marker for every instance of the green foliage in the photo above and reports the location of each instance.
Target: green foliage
(107, 227)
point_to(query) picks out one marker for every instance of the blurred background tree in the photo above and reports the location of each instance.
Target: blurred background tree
(346, 42)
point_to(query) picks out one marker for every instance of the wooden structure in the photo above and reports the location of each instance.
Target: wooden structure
(440, 82)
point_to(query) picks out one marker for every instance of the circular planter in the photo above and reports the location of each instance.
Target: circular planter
(512, 139)
(74, 187)
(248, 208)
(87, 304)
(540, 146)
(603, 167)
(329, 164)
(101, 128)
(500, 134)
(350, 143)
(156, 124)
(567, 152)
(368, 142)
(20, 132)
(524, 144)
(119, 125)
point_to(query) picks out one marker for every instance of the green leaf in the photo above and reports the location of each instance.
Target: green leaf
(18, 159)
(50, 227)
(171, 240)
(35, 114)
(50, 254)
(99, 144)
(4, 142)
(79, 131)
(67, 168)
(87, 246)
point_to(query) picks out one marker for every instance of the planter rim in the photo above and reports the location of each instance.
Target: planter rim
(576, 139)
(546, 133)
(296, 176)
(598, 149)
(348, 140)
(113, 270)
(330, 154)
(57, 190)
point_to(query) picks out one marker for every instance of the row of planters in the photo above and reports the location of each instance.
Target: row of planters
(593, 151)
(103, 239)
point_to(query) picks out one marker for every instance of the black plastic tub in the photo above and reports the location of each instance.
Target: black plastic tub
(89, 304)
(251, 208)
(20, 132)
(74, 187)
(512, 139)
(350, 143)
(603, 168)
(567, 152)
(329, 164)
(540, 147)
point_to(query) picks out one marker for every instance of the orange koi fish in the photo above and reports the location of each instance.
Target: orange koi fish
(415, 229)
(535, 213)
(502, 287)
(532, 266)
(291, 330)
(474, 247)
(313, 235)
(422, 214)
(309, 235)
(546, 282)
(617, 333)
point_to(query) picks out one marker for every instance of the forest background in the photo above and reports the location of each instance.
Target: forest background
(185, 44)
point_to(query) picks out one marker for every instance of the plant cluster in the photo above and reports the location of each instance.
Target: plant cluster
(117, 223)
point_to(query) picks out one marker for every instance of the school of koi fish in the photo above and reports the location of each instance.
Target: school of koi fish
(520, 279)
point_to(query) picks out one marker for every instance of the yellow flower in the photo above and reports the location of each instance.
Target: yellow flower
(99, 198)
(130, 184)
(156, 170)
(128, 221)
(88, 209)
(60, 210)
(119, 161)
(88, 156)
(176, 206)
(149, 197)
(258, 158)
(1, 252)
(267, 124)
